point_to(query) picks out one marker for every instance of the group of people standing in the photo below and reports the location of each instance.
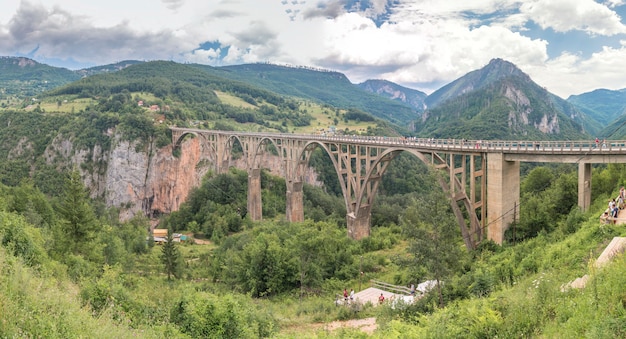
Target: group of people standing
(615, 206)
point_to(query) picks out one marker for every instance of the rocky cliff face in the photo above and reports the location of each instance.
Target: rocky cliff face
(152, 182)
(145, 180)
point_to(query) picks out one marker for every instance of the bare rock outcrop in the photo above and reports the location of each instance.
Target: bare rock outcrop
(140, 179)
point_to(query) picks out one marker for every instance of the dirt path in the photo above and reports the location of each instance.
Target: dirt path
(367, 325)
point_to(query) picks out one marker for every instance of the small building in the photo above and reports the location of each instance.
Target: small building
(160, 236)
(159, 232)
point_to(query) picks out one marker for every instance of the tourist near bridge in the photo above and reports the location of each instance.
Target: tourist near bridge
(482, 177)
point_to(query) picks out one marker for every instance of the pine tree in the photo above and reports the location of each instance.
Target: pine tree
(170, 256)
(77, 227)
(434, 233)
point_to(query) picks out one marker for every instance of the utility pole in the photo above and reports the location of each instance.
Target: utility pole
(360, 272)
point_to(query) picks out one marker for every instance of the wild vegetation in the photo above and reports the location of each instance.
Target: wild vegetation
(70, 269)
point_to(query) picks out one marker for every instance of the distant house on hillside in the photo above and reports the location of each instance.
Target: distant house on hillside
(160, 236)
(155, 108)
(140, 103)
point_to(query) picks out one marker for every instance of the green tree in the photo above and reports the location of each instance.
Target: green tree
(77, 226)
(434, 234)
(170, 256)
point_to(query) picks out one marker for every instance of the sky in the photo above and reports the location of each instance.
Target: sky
(567, 46)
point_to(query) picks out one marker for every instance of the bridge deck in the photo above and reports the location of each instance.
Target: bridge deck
(572, 147)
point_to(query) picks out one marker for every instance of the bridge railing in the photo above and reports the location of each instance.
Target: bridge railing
(495, 145)
(608, 146)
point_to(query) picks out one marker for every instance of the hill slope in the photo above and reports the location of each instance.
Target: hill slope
(393, 91)
(499, 102)
(25, 77)
(332, 88)
(603, 106)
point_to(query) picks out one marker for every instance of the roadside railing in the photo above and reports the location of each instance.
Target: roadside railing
(390, 287)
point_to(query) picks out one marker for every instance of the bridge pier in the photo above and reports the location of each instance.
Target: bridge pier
(255, 204)
(584, 186)
(294, 201)
(359, 224)
(503, 193)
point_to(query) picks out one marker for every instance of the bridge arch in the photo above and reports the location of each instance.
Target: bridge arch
(359, 183)
(456, 191)
(227, 156)
(261, 149)
(208, 148)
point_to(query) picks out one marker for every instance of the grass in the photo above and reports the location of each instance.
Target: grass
(34, 305)
(229, 99)
(323, 118)
(67, 105)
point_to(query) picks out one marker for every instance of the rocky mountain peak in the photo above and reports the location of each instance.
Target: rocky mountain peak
(496, 70)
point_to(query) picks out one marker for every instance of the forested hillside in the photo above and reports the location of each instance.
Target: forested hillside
(321, 86)
(505, 109)
(499, 101)
(393, 91)
(605, 106)
(70, 269)
(24, 78)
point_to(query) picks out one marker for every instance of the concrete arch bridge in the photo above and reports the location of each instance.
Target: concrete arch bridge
(482, 177)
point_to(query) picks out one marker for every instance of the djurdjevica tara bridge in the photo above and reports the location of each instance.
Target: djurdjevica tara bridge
(482, 177)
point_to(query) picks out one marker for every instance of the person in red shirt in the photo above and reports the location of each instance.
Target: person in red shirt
(381, 298)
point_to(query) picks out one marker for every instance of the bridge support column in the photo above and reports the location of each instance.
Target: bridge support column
(503, 192)
(255, 204)
(295, 209)
(584, 186)
(359, 224)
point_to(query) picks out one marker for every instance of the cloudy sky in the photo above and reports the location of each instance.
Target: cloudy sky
(567, 46)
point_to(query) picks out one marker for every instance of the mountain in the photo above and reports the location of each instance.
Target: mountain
(494, 71)
(393, 91)
(602, 105)
(528, 109)
(326, 87)
(22, 77)
(499, 101)
(107, 68)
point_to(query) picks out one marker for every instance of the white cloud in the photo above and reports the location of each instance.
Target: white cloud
(615, 3)
(202, 56)
(422, 48)
(570, 74)
(567, 15)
